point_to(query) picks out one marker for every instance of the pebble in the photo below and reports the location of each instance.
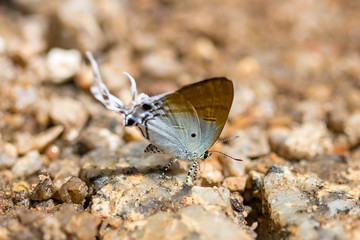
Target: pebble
(84, 226)
(192, 220)
(247, 66)
(51, 228)
(52, 152)
(304, 142)
(8, 154)
(352, 128)
(74, 190)
(43, 190)
(69, 167)
(30, 163)
(161, 63)
(204, 48)
(250, 142)
(235, 183)
(210, 173)
(70, 113)
(2, 45)
(62, 64)
(26, 143)
(307, 208)
(337, 116)
(21, 193)
(74, 32)
(97, 137)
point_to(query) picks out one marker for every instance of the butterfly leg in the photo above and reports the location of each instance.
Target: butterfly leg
(167, 168)
(196, 166)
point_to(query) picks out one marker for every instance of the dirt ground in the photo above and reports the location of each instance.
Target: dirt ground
(70, 170)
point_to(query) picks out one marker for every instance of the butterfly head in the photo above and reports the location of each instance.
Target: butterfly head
(206, 155)
(140, 103)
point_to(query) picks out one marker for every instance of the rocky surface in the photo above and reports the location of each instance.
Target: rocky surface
(70, 170)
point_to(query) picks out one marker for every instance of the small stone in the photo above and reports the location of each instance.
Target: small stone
(74, 190)
(211, 172)
(352, 128)
(61, 178)
(2, 45)
(63, 64)
(251, 142)
(312, 110)
(69, 167)
(52, 152)
(215, 196)
(50, 228)
(293, 205)
(70, 113)
(20, 186)
(318, 91)
(338, 115)
(84, 78)
(8, 154)
(161, 63)
(277, 136)
(235, 183)
(4, 233)
(45, 205)
(96, 137)
(26, 143)
(247, 67)
(27, 165)
(115, 222)
(21, 191)
(73, 32)
(84, 226)
(306, 141)
(6, 205)
(43, 190)
(204, 48)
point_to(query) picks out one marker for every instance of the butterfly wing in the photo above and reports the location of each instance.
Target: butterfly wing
(174, 127)
(211, 99)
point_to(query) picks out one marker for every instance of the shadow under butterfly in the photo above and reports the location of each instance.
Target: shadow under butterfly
(183, 124)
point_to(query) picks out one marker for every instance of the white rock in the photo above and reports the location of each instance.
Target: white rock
(28, 164)
(2, 45)
(306, 141)
(63, 64)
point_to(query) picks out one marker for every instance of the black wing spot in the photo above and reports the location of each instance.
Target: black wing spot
(130, 122)
(146, 107)
(193, 135)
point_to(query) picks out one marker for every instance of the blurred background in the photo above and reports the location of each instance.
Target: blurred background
(295, 66)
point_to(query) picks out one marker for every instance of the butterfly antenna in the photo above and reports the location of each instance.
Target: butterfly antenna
(227, 139)
(236, 159)
(100, 91)
(133, 86)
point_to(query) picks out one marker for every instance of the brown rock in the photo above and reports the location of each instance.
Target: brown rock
(235, 183)
(74, 190)
(43, 190)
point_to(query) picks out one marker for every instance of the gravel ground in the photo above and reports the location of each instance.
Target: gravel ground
(70, 170)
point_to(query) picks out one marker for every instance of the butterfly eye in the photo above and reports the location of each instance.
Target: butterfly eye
(146, 107)
(193, 135)
(130, 122)
(206, 155)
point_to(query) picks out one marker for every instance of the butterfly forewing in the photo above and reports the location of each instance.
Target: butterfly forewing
(212, 101)
(175, 127)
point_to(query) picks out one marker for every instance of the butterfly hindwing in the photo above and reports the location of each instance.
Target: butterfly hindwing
(211, 99)
(175, 126)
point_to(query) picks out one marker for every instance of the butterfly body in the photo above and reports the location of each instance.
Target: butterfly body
(184, 123)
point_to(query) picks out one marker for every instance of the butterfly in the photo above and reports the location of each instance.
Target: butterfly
(184, 123)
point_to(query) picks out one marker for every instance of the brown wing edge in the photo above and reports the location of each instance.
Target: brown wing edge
(212, 99)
